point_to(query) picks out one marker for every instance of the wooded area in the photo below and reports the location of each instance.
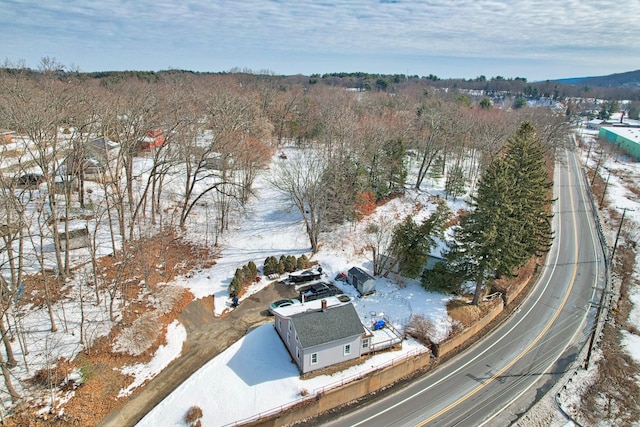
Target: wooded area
(103, 153)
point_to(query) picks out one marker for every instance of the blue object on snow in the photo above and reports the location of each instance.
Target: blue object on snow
(378, 325)
(20, 291)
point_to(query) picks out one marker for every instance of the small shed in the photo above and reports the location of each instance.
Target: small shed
(361, 280)
(432, 260)
(78, 238)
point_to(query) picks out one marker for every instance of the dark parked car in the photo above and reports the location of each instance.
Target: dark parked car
(305, 276)
(318, 291)
(30, 180)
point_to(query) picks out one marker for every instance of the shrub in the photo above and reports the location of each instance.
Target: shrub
(247, 275)
(270, 266)
(302, 263)
(235, 287)
(193, 416)
(285, 263)
(253, 269)
(421, 329)
(290, 263)
(87, 370)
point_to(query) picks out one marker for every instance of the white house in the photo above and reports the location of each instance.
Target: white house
(321, 333)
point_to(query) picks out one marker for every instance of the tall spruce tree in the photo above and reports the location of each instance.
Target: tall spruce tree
(531, 196)
(412, 243)
(483, 233)
(510, 220)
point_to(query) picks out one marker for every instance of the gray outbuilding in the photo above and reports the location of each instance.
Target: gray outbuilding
(361, 280)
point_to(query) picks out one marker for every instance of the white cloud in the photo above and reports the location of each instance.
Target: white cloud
(194, 28)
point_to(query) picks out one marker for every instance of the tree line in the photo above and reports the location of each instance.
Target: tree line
(219, 131)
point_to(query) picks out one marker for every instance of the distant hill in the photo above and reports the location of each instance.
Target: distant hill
(630, 79)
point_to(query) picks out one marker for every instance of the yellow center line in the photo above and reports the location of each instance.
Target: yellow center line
(537, 339)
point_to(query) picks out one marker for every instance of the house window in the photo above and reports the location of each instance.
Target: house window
(365, 343)
(314, 358)
(289, 326)
(288, 339)
(298, 353)
(347, 349)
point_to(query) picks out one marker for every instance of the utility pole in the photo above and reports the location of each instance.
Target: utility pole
(594, 332)
(595, 172)
(615, 244)
(604, 294)
(605, 188)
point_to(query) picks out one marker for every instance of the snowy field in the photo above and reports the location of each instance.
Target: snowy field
(259, 365)
(396, 302)
(268, 228)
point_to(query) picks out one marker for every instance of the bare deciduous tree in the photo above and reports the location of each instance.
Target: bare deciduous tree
(299, 179)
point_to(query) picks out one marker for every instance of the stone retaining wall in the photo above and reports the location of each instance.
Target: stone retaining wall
(442, 348)
(337, 397)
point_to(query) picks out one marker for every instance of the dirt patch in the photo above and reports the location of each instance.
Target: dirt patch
(463, 312)
(612, 397)
(157, 260)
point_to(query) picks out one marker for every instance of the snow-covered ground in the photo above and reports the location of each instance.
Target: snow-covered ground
(397, 302)
(259, 365)
(622, 173)
(241, 382)
(268, 227)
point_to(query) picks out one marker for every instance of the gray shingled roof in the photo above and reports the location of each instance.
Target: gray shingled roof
(360, 274)
(320, 327)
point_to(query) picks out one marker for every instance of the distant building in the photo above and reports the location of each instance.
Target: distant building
(595, 124)
(154, 138)
(99, 160)
(626, 137)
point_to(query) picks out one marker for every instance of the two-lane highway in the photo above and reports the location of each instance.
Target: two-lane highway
(528, 351)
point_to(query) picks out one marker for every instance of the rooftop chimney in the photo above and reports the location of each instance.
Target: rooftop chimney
(324, 304)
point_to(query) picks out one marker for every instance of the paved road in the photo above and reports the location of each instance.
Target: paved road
(498, 378)
(207, 336)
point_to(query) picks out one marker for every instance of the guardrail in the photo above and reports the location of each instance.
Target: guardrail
(582, 359)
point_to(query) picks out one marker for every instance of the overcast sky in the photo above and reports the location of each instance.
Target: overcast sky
(535, 39)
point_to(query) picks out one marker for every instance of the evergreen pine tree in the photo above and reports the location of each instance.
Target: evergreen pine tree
(525, 156)
(405, 246)
(302, 262)
(455, 183)
(509, 222)
(483, 232)
(395, 167)
(270, 266)
(253, 269)
(412, 243)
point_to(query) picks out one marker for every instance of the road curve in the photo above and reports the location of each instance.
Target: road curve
(499, 377)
